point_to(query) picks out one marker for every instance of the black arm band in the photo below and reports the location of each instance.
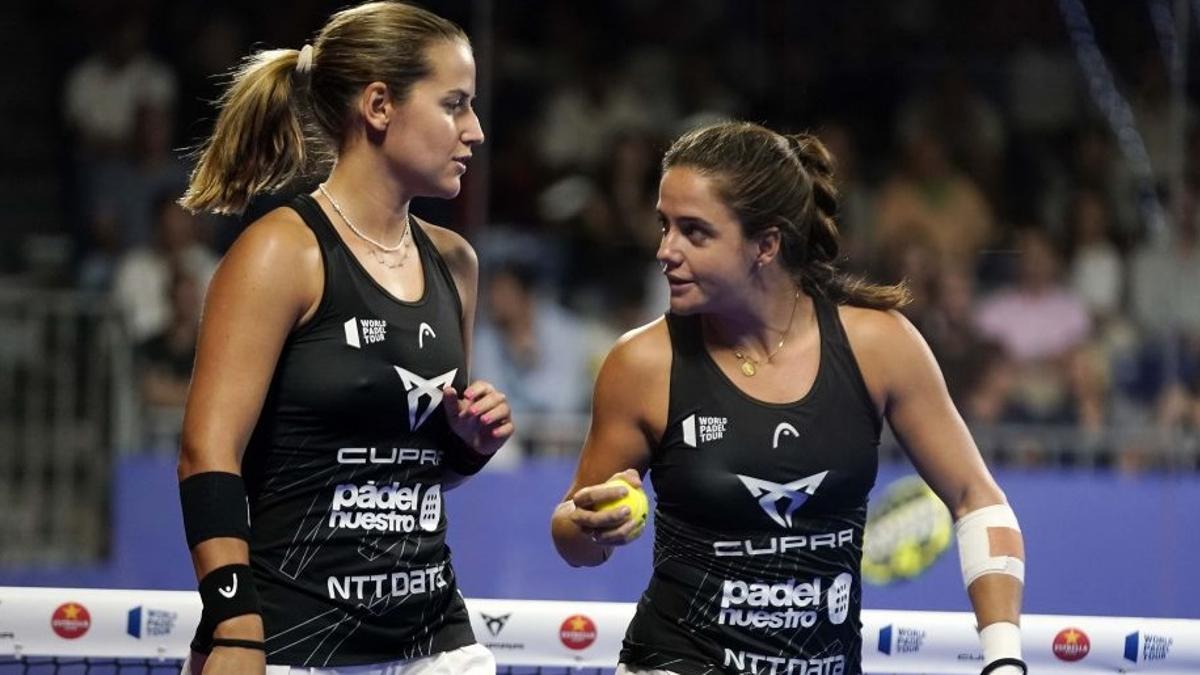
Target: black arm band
(228, 592)
(214, 505)
(461, 458)
(244, 644)
(1007, 661)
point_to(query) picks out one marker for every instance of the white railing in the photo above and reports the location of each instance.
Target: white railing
(159, 624)
(66, 404)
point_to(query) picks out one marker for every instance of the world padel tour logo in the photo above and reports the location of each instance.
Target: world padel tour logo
(1144, 647)
(577, 632)
(900, 640)
(70, 620)
(1071, 644)
(145, 622)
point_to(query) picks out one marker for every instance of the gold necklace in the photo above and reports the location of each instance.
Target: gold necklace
(377, 254)
(751, 365)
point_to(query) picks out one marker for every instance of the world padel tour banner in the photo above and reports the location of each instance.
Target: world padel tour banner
(158, 625)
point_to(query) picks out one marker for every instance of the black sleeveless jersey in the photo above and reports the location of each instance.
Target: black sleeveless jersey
(758, 528)
(344, 470)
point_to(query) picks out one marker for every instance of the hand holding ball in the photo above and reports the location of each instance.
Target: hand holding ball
(635, 499)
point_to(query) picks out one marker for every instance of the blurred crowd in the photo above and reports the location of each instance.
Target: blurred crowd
(1055, 272)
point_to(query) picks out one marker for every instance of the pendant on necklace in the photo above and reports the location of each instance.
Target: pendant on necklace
(748, 369)
(382, 259)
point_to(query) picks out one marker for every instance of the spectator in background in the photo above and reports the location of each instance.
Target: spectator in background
(630, 182)
(105, 90)
(1039, 317)
(1165, 301)
(915, 262)
(606, 219)
(971, 127)
(932, 200)
(583, 114)
(970, 362)
(1041, 324)
(102, 253)
(1097, 273)
(1156, 110)
(135, 183)
(102, 98)
(1093, 164)
(165, 359)
(1044, 90)
(144, 273)
(1164, 279)
(538, 353)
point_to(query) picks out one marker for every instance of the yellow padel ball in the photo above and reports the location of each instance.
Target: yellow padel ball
(635, 499)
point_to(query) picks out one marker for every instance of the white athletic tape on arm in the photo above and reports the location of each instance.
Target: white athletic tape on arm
(975, 546)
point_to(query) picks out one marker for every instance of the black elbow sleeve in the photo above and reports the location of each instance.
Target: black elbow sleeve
(214, 505)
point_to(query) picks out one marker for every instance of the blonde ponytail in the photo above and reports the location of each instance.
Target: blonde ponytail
(258, 142)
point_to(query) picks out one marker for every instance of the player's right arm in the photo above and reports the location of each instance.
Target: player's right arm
(269, 282)
(629, 410)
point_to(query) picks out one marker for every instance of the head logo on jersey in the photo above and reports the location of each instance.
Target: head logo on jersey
(783, 430)
(789, 496)
(418, 388)
(422, 331)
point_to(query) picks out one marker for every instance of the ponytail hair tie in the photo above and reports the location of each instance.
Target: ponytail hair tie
(304, 63)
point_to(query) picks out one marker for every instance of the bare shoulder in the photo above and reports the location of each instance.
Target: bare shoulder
(634, 382)
(280, 234)
(884, 343)
(643, 351)
(453, 247)
(278, 254)
(876, 328)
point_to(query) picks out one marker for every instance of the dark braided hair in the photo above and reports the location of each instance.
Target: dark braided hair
(771, 180)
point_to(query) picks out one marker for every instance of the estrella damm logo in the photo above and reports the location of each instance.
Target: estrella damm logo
(70, 620)
(577, 632)
(1071, 644)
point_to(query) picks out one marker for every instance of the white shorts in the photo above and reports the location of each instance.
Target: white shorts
(470, 660)
(623, 669)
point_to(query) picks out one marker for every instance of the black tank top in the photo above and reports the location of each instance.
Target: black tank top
(758, 527)
(344, 470)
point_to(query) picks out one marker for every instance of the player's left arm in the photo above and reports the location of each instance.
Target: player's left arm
(480, 416)
(918, 407)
